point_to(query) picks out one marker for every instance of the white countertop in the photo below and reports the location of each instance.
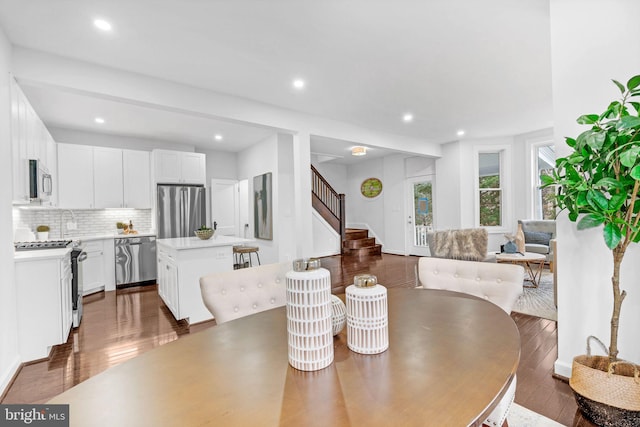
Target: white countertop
(39, 254)
(197, 243)
(110, 236)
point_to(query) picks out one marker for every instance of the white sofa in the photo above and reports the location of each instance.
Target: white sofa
(232, 294)
(499, 283)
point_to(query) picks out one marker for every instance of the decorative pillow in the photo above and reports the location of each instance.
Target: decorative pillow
(537, 237)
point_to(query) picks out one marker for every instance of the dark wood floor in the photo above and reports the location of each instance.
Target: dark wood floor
(118, 326)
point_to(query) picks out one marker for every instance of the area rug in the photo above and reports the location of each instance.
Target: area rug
(519, 416)
(538, 301)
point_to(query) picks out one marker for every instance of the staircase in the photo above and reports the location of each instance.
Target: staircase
(331, 206)
(357, 242)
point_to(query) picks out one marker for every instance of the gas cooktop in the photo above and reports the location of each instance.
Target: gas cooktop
(48, 244)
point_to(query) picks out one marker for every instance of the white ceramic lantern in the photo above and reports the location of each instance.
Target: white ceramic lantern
(367, 316)
(309, 323)
(338, 314)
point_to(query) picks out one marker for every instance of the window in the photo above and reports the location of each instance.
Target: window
(544, 200)
(491, 198)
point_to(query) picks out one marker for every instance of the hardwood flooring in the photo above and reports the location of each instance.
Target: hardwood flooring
(118, 326)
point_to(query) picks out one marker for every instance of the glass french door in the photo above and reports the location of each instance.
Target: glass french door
(420, 191)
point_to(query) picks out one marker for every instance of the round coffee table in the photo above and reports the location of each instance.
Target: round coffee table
(531, 261)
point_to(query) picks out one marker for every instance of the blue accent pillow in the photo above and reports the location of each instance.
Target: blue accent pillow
(537, 237)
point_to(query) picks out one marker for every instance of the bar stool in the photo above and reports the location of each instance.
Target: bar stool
(239, 253)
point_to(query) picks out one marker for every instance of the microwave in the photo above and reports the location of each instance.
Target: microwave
(40, 182)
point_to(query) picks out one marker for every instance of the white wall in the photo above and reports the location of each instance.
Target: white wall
(592, 42)
(74, 136)
(9, 357)
(256, 160)
(286, 201)
(335, 174)
(448, 198)
(394, 204)
(361, 211)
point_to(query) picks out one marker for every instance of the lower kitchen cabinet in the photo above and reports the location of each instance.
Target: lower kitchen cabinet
(98, 269)
(44, 306)
(168, 282)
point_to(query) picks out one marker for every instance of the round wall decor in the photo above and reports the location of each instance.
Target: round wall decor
(371, 187)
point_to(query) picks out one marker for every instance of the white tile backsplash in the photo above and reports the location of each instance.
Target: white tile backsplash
(88, 221)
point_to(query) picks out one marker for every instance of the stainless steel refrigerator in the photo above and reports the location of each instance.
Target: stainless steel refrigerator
(181, 210)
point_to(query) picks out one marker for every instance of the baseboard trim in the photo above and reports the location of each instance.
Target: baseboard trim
(392, 252)
(561, 369)
(9, 377)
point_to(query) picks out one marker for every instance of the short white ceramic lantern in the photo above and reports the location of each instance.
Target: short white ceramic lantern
(338, 314)
(309, 315)
(367, 315)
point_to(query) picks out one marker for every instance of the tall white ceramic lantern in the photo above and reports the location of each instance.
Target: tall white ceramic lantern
(367, 315)
(309, 324)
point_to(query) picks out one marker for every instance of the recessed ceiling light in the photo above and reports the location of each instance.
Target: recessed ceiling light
(359, 151)
(408, 117)
(298, 83)
(460, 132)
(99, 120)
(217, 137)
(101, 24)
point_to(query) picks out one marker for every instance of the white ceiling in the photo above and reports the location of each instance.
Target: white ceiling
(455, 64)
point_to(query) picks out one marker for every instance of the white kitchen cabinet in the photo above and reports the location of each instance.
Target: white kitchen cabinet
(177, 167)
(168, 282)
(102, 177)
(94, 272)
(181, 263)
(107, 178)
(30, 139)
(136, 173)
(75, 176)
(44, 305)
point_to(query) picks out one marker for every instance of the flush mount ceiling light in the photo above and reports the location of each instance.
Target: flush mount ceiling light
(407, 117)
(101, 24)
(99, 120)
(217, 137)
(460, 132)
(359, 151)
(298, 84)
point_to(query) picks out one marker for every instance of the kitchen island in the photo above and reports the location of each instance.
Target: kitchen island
(181, 263)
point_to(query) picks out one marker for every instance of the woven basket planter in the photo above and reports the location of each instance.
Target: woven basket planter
(607, 394)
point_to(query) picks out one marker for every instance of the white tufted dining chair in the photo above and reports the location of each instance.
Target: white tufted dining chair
(232, 294)
(500, 284)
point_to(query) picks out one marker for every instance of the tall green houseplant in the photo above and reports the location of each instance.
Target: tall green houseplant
(598, 183)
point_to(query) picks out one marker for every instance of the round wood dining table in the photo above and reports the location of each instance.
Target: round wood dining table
(451, 358)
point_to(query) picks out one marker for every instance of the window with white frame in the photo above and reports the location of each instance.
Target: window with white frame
(544, 198)
(490, 189)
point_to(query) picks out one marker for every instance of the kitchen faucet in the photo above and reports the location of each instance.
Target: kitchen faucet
(73, 218)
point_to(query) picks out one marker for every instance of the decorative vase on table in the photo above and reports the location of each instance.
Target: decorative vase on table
(520, 239)
(367, 315)
(309, 316)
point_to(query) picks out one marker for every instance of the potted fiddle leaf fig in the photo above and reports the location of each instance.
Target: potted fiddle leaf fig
(599, 186)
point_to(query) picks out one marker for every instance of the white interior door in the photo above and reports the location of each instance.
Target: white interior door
(224, 206)
(243, 191)
(420, 192)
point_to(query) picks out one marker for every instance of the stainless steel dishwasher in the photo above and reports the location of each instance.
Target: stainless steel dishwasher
(135, 260)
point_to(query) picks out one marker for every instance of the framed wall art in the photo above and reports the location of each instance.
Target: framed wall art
(371, 188)
(262, 207)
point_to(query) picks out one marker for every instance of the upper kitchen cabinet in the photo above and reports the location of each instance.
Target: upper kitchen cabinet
(30, 140)
(107, 177)
(137, 179)
(111, 177)
(75, 176)
(177, 167)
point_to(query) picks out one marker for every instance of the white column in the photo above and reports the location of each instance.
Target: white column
(302, 191)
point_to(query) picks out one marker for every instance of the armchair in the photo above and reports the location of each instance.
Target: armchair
(538, 236)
